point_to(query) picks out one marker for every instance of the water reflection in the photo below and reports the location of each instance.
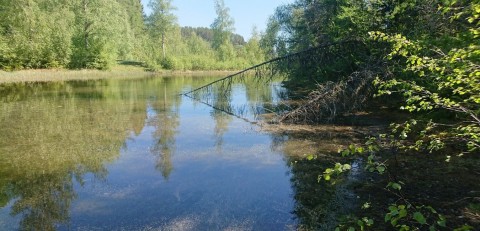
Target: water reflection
(319, 205)
(42, 151)
(52, 134)
(243, 96)
(134, 155)
(164, 117)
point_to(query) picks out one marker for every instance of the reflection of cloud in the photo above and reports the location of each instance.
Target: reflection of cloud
(182, 224)
(121, 193)
(109, 192)
(98, 206)
(193, 222)
(257, 153)
(241, 226)
(90, 207)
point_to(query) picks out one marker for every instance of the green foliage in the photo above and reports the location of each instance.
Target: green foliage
(207, 35)
(161, 22)
(425, 53)
(439, 79)
(253, 51)
(225, 51)
(77, 34)
(30, 40)
(409, 217)
(95, 34)
(132, 46)
(402, 215)
(336, 170)
(222, 26)
(356, 224)
(169, 63)
(268, 40)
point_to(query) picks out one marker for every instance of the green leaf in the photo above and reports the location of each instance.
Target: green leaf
(388, 217)
(464, 228)
(394, 221)
(360, 223)
(310, 157)
(396, 186)
(366, 205)
(369, 222)
(442, 223)
(381, 169)
(419, 218)
(394, 212)
(360, 150)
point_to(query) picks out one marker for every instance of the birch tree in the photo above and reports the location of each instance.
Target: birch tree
(161, 21)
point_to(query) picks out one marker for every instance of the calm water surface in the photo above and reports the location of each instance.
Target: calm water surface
(134, 155)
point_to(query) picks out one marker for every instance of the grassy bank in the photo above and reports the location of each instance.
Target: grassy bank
(119, 71)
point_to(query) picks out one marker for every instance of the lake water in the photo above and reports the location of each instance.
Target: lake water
(133, 154)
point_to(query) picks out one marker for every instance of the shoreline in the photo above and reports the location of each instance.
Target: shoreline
(117, 72)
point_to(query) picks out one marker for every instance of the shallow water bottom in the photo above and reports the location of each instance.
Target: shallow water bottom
(134, 155)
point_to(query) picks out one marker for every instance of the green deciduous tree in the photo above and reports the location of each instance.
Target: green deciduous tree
(97, 33)
(269, 39)
(441, 78)
(223, 27)
(33, 41)
(136, 49)
(253, 51)
(100, 28)
(78, 34)
(161, 21)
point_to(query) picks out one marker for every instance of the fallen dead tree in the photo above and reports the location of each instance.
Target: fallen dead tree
(332, 99)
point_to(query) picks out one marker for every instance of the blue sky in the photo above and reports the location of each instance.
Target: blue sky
(247, 13)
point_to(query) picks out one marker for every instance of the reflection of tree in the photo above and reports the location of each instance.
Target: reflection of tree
(243, 96)
(137, 105)
(50, 141)
(165, 145)
(165, 118)
(222, 120)
(166, 122)
(45, 201)
(257, 91)
(260, 97)
(222, 103)
(52, 134)
(318, 204)
(164, 162)
(312, 198)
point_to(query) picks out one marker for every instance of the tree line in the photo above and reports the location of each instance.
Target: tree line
(206, 34)
(97, 33)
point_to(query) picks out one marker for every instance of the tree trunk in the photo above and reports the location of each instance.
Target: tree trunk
(85, 25)
(163, 45)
